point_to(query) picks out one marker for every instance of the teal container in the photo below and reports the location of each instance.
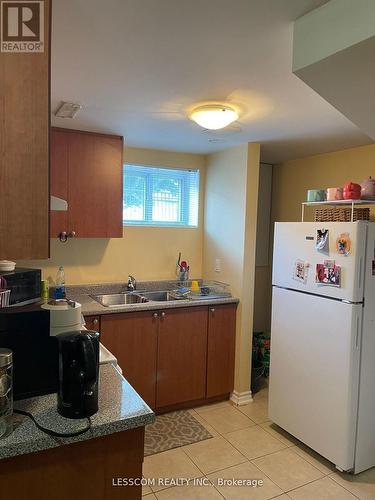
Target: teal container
(315, 195)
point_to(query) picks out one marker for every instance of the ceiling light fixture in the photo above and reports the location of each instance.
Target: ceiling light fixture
(214, 116)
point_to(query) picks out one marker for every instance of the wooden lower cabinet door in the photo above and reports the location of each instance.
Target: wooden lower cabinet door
(92, 323)
(132, 338)
(221, 349)
(182, 354)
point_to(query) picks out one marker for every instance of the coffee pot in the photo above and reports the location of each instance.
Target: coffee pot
(78, 374)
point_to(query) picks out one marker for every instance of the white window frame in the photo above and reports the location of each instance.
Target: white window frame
(178, 173)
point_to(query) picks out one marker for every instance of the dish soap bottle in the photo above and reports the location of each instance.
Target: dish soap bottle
(60, 284)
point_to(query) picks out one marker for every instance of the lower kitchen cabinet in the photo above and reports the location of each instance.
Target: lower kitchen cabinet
(221, 349)
(92, 323)
(182, 354)
(132, 338)
(173, 356)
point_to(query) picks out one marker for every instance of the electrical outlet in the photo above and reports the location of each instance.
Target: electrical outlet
(217, 265)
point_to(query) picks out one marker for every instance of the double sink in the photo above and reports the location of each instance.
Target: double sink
(123, 299)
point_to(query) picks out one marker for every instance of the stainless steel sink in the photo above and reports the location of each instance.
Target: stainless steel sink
(160, 296)
(164, 296)
(123, 299)
(119, 299)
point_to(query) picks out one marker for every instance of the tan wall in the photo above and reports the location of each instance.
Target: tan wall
(145, 252)
(225, 205)
(262, 299)
(292, 179)
(263, 254)
(230, 235)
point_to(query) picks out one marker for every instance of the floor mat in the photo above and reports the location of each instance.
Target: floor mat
(172, 430)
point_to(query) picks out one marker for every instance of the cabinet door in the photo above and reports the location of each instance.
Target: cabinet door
(95, 176)
(93, 323)
(221, 349)
(59, 179)
(132, 338)
(24, 148)
(182, 351)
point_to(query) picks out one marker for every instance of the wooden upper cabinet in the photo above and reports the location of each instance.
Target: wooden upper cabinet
(221, 349)
(182, 351)
(59, 179)
(87, 171)
(24, 151)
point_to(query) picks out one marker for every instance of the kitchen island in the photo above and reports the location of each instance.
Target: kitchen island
(34, 465)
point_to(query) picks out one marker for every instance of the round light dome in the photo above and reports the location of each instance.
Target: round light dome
(214, 116)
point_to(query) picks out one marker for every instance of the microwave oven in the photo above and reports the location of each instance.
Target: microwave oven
(24, 285)
(26, 331)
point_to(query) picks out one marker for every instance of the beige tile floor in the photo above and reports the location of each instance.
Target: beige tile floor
(246, 445)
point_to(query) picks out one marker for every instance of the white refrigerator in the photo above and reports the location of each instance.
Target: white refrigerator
(322, 372)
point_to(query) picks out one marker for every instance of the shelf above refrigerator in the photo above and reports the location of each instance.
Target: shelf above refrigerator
(350, 203)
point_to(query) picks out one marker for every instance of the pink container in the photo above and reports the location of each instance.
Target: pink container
(368, 189)
(334, 194)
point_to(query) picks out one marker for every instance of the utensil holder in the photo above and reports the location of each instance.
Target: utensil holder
(183, 275)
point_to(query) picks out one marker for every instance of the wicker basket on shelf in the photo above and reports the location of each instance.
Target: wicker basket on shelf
(341, 214)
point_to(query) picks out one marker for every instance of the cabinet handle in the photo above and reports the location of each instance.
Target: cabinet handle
(163, 314)
(63, 237)
(96, 321)
(155, 315)
(212, 309)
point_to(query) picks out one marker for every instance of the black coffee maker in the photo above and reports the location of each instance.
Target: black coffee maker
(78, 374)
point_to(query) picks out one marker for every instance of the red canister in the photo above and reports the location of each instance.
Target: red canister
(352, 191)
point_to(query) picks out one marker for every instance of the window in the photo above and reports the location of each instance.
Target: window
(160, 196)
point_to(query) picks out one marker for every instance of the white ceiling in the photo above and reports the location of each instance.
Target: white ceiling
(137, 65)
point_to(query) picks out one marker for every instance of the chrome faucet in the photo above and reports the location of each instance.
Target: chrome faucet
(132, 283)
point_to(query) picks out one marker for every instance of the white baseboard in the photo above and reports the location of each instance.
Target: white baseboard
(241, 398)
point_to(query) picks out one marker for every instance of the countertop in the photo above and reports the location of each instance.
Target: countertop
(120, 409)
(90, 307)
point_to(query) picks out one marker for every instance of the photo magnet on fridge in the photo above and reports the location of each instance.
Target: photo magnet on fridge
(329, 263)
(321, 243)
(328, 275)
(300, 271)
(343, 244)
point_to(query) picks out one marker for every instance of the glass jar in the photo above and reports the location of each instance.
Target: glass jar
(6, 392)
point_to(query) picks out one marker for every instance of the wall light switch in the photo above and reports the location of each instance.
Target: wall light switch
(218, 265)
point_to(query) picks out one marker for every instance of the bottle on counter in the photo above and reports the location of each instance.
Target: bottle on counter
(6, 392)
(44, 293)
(60, 284)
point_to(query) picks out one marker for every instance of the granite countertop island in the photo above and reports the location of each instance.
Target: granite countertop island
(120, 409)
